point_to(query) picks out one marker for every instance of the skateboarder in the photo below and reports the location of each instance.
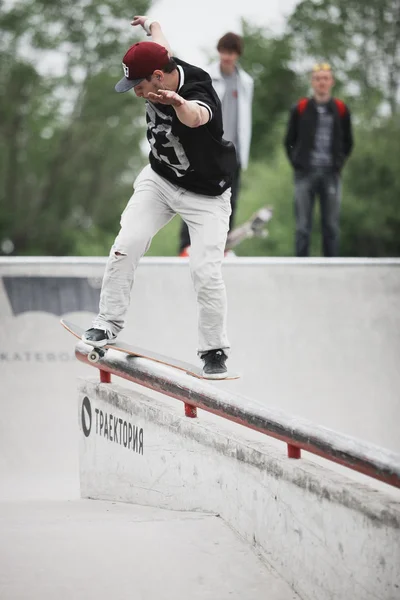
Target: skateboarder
(189, 174)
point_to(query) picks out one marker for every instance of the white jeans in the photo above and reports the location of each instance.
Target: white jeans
(154, 202)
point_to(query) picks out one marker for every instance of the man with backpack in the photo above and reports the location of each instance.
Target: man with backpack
(318, 141)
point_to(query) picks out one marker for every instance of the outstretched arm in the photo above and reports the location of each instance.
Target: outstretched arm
(152, 28)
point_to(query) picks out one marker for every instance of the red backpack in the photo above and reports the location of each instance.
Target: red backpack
(302, 104)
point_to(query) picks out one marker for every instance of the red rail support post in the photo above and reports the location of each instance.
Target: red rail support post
(190, 411)
(105, 376)
(293, 451)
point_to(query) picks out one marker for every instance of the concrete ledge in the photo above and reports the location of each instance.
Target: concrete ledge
(60, 261)
(327, 536)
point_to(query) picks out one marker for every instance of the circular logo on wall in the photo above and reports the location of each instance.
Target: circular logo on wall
(86, 416)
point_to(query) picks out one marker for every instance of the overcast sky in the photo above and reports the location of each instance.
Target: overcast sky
(194, 27)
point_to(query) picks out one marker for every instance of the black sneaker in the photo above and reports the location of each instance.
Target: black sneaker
(214, 364)
(98, 337)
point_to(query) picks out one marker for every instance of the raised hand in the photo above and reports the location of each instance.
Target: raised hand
(139, 20)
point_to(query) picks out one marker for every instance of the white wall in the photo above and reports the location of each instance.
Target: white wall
(327, 536)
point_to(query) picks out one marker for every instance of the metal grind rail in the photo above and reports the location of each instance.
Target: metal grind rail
(297, 433)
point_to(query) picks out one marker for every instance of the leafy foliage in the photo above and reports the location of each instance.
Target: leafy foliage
(70, 147)
(67, 141)
(361, 38)
(267, 59)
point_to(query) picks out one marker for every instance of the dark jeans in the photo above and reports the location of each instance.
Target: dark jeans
(184, 235)
(326, 184)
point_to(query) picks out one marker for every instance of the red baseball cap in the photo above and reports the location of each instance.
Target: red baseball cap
(140, 61)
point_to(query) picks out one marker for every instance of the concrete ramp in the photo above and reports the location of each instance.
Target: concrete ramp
(318, 340)
(38, 438)
(38, 371)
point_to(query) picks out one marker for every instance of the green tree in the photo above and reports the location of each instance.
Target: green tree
(267, 58)
(371, 218)
(361, 38)
(67, 141)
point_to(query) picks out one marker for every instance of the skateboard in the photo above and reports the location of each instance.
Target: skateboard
(253, 227)
(97, 353)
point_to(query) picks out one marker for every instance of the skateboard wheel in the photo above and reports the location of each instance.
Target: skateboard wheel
(93, 356)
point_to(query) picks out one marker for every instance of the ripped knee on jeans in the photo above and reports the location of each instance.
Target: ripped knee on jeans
(118, 253)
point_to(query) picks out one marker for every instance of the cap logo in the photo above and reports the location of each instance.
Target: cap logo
(126, 70)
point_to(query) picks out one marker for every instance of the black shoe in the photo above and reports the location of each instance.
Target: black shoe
(98, 337)
(214, 364)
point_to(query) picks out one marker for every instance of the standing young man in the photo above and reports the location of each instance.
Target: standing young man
(318, 141)
(235, 89)
(189, 174)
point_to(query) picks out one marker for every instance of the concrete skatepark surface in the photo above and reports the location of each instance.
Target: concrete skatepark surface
(92, 549)
(321, 341)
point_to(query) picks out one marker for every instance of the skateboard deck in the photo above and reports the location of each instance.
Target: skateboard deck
(121, 346)
(253, 227)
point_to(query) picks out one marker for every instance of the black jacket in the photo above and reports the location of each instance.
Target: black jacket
(300, 134)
